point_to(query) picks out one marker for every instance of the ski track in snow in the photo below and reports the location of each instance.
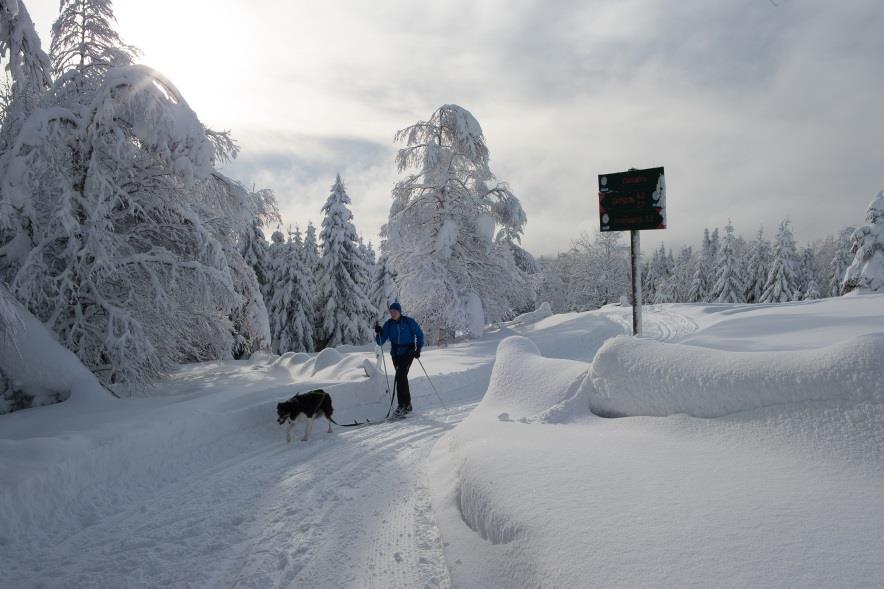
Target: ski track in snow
(350, 509)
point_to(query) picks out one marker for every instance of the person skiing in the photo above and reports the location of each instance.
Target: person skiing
(406, 341)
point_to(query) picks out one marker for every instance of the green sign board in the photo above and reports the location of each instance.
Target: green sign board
(632, 200)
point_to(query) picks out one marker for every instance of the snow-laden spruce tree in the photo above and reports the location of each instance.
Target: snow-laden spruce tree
(383, 286)
(311, 249)
(366, 270)
(291, 305)
(840, 260)
(866, 272)
(256, 253)
(345, 311)
(782, 278)
(701, 282)
(682, 273)
(807, 279)
(449, 226)
(28, 66)
(302, 313)
(659, 268)
(663, 291)
(729, 286)
(758, 267)
(84, 38)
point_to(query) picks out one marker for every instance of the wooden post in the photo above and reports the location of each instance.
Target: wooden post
(635, 249)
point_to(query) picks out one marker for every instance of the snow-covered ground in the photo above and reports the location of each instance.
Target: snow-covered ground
(784, 488)
(193, 485)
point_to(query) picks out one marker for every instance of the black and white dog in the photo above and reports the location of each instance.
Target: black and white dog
(305, 406)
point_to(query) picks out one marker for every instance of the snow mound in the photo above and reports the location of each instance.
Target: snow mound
(39, 366)
(326, 358)
(540, 313)
(526, 387)
(642, 377)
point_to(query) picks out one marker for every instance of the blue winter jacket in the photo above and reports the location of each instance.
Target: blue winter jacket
(404, 336)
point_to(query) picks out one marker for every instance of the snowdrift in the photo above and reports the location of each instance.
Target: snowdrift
(526, 387)
(541, 312)
(643, 377)
(39, 366)
(783, 489)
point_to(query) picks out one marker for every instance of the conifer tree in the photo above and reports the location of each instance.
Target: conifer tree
(383, 290)
(841, 259)
(758, 267)
(782, 278)
(866, 272)
(344, 305)
(729, 284)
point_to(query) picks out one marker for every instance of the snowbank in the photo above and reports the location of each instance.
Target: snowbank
(643, 377)
(783, 490)
(526, 387)
(40, 367)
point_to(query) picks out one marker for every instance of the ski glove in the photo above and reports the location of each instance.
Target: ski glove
(377, 329)
(417, 353)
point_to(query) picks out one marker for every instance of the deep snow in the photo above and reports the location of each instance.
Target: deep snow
(783, 490)
(192, 485)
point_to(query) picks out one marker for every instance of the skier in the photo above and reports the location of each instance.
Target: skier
(406, 341)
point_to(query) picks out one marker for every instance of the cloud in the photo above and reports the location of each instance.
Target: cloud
(757, 111)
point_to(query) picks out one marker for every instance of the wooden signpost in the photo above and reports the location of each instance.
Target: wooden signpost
(632, 201)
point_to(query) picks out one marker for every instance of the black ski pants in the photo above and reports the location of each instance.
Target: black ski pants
(403, 364)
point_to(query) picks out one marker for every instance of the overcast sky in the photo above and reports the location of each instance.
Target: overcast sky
(758, 110)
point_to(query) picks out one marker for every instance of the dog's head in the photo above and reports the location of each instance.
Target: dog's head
(282, 412)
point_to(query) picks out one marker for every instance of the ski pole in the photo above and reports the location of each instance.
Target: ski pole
(384, 361)
(438, 396)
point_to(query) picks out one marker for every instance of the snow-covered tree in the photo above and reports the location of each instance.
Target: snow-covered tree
(345, 309)
(807, 273)
(840, 260)
(113, 229)
(682, 273)
(27, 65)
(866, 272)
(448, 227)
(782, 278)
(383, 286)
(256, 253)
(701, 282)
(230, 212)
(311, 248)
(291, 303)
(84, 38)
(811, 290)
(758, 267)
(729, 284)
(663, 291)
(366, 269)
(549, 283)
(658, 269)
(608, 268)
